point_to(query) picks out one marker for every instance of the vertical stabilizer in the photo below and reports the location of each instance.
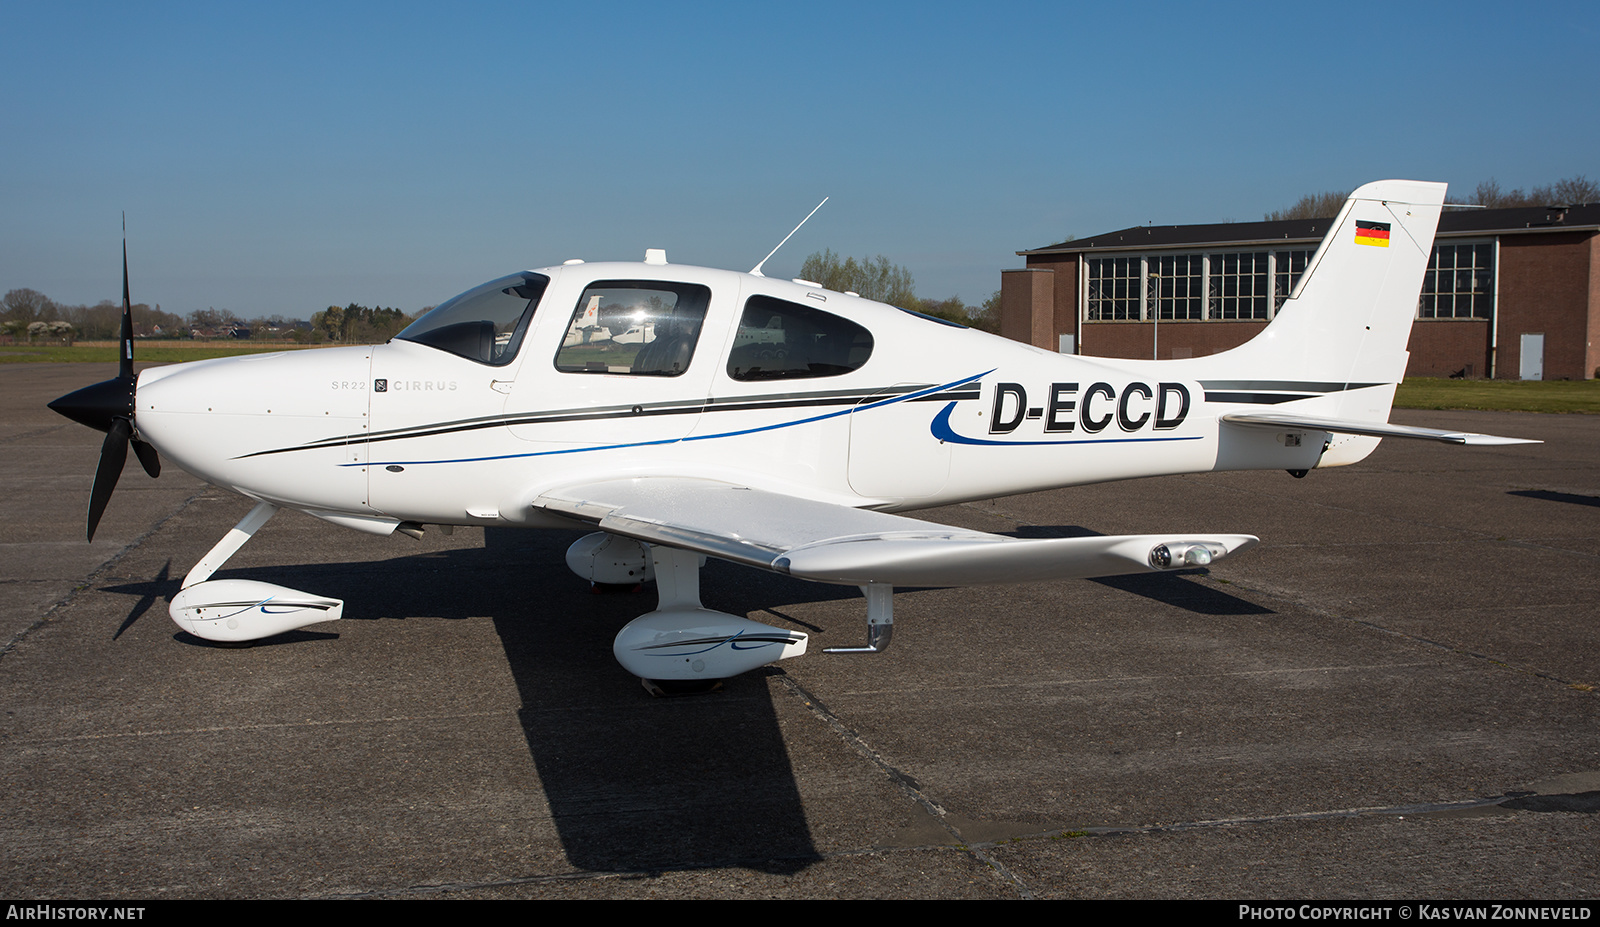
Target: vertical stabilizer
(1350, 315)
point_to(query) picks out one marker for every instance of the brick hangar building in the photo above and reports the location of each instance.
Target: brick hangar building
(1509, 293)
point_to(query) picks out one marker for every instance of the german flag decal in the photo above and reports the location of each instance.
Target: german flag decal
(1372, 233)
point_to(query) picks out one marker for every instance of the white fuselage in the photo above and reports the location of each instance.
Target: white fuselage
(408, 432)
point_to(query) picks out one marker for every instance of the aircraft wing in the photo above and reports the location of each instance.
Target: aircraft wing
(1370, 429)
(838, 544)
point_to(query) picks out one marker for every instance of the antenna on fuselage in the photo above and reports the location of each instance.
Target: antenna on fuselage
(756, 270)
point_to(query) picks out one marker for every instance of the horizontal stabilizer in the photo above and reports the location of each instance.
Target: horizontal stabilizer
(1370, 429)
(837, 544)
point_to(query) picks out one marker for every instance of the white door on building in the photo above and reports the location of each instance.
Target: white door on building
(1532, 363)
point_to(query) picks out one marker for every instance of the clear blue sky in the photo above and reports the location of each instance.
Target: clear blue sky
(276, 158)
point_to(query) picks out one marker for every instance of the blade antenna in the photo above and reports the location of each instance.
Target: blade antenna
(756, 270)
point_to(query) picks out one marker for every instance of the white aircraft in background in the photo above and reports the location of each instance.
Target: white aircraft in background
(771, 423)
(583, 328)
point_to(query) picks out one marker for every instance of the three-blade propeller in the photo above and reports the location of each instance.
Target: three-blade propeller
(108, 406)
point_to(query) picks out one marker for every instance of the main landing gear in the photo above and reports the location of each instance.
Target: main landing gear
(684, 642)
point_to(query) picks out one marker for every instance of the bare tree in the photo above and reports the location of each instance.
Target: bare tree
(1569, 192)
(1313, 206)
(1488, 193)
(1574, 191)
(27, 306)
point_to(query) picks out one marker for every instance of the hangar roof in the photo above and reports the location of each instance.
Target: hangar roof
(1453, 224)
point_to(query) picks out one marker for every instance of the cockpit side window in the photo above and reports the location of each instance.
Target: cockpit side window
(780, 340)
(485, 324)
(640, 327)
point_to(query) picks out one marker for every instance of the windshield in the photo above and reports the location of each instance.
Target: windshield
(484, 324)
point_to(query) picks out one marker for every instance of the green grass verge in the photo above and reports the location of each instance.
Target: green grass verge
(105, 352)
(1500, 395)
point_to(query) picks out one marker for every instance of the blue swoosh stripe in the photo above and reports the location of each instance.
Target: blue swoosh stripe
(942, 430)
(908, 397)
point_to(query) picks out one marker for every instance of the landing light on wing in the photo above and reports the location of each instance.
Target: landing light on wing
(1185, 554)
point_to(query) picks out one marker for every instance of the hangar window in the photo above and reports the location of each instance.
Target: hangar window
(641, 327)
(1177, 285)
(1238, 285)
(1114, 288)
(780, 340)
(1459, 282)
(1194, 287)
(484, 324)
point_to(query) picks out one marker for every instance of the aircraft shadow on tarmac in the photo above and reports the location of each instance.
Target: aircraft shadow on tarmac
(633, 784)
(1553, 496)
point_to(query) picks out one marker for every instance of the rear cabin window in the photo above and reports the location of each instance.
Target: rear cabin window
(639, 327)
(780, 340)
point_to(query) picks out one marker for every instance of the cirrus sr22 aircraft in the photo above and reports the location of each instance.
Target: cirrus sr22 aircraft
(686, 412)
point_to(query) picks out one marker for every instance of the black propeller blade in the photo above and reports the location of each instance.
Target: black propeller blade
(108, 406)
(148, 458)
(113, 454)
(125, 360)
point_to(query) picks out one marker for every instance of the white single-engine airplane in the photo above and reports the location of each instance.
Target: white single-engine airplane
(771, 423)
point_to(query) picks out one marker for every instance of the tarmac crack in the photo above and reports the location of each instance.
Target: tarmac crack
(1149, 678)
(98, 572)
(905, 783)
(1463, 651)
(36, 433)
(1509, 803)
(271, 726)
(1313, 608)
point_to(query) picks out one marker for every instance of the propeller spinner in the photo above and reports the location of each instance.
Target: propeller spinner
(108, 406)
